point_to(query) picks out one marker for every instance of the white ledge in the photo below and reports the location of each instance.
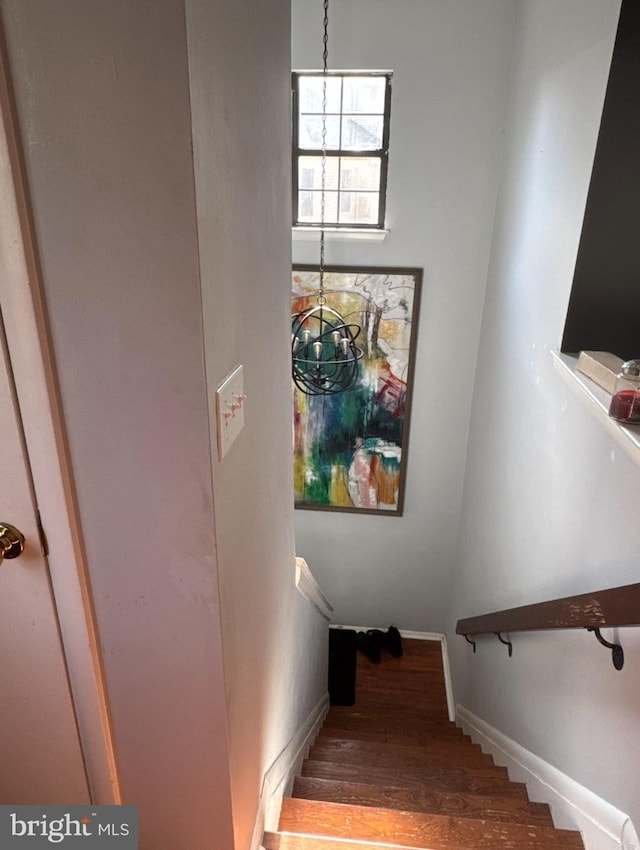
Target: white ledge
(338, 234)
(310, 589)
(596, 400)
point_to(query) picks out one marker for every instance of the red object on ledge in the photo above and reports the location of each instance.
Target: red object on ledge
(625, 401)
(625, 407)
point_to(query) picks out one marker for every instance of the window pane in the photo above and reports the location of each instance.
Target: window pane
(310, 89)
(310, 173)
(362, 132)
(330, 208)
(310, 207)
(305, 205)
(359, 208)
(359, 172)
(310, 132)
(364, 94)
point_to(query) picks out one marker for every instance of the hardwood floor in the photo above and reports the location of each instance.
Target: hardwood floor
(392, 771)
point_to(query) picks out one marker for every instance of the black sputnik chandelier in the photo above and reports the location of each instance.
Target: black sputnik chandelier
(324, 353)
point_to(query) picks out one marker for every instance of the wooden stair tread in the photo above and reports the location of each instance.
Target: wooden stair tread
(416, 715)
(400, 668)
(401, 739)
(421, 681)
(412, 678)
(291, 841)
(427, 731)
(375, 725)
(403, 733)
(426, 698)
(405, 738)
(399, 757)
(358, 710)
(405, 668)
(426, 686)
(420, 703)
(422, 800)
(419, 707)
(418, 830)
(399, 750)
(407, 777)
(363, 714)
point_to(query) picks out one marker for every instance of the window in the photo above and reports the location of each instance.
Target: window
(358, 106)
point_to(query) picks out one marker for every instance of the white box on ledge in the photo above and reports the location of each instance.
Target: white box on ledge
(601, 366)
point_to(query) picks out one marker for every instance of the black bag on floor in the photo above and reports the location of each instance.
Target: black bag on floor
(342, 666)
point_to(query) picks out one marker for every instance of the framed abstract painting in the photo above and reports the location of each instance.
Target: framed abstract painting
(350, 448)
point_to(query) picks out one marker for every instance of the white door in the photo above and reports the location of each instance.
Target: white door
(40, 756)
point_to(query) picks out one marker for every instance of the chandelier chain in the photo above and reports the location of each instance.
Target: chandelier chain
(325, 57)
(325, 38)
(325, 356)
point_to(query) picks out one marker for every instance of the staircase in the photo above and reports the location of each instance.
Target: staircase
(393, 772)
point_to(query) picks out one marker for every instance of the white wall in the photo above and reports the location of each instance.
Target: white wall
(191, 561)
(450, 60)
(103, 100)
(275, 644)
(549, 505)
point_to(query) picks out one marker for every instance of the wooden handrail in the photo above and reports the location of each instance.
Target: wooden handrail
(619, 606)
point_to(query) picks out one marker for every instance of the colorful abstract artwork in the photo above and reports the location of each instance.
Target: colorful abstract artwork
(350, 449)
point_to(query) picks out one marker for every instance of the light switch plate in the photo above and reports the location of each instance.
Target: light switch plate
(230, 399)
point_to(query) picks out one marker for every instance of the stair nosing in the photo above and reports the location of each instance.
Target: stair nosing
(333, 838)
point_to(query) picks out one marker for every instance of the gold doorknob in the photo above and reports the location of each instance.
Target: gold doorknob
(11, 541)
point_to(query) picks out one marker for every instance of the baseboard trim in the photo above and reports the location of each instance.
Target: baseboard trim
(278, 778)
(603, 826)
(411, 635)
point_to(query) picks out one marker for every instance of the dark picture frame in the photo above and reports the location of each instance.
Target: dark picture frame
(351, 449)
